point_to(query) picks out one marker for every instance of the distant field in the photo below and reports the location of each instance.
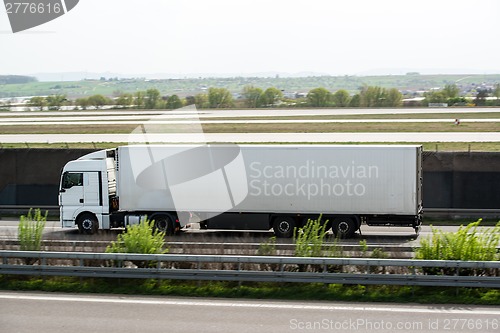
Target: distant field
(184, 87)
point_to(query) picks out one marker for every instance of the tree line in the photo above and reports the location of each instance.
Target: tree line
(255, 97)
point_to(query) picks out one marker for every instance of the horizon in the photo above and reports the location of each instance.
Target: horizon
(221, 38)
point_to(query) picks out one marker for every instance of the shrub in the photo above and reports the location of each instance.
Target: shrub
(140, 238)
(310, 238)
(31, 229)
(469, 243)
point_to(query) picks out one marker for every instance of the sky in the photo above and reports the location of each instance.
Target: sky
(247, 37)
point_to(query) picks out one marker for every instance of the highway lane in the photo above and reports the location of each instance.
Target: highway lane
(121, 121)
(191, 111)
(255, 137)
(378, 236)
(58, 313)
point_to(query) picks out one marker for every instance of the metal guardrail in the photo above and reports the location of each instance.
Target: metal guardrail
(251, 268)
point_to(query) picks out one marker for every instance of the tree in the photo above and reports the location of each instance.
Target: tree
(219, 98)
(451, 91)
(393, 98)
(83, 102)
(201, 101)
(139, 99)
(152, 98)
(190, 100)
(39, 102)
(97, 101)
(481, 97)
(435, 97)
(271, 96)
(174, 102)
(125, 100)
(371, 96)
(252, 96)
(55, 101)
(355, 101)
(319, 97)
(341, 98)
(496, 93)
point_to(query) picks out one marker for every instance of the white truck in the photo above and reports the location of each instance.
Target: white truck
(245, 187)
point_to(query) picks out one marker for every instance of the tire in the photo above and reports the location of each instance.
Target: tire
(284, 226)
(164, 223)
(344, 227)
(87, 224)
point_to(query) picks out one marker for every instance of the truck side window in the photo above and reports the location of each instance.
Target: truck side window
(71, 179)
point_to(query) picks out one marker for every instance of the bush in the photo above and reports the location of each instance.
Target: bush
(31, 229)
(141, 238)
(469, 243)
(310, 238)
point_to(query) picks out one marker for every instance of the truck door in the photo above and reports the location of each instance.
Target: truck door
(79, 191)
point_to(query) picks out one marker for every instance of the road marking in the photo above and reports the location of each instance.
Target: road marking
(442, 309)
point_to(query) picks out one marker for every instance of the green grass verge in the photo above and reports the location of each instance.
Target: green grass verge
(257, 128)
(330, 292)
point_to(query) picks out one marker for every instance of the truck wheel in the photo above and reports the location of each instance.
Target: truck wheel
(87, 224)
(164, 223)
(284, 226)
(344, 227)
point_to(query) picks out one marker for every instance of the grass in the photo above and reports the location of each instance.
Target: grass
(257, 128)
(283, 291)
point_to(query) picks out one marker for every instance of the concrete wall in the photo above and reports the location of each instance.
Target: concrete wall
(451, 180)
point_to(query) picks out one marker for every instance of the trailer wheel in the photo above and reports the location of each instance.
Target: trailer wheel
(87, 224)
(284, 226)
(164, 223)
(344, 227)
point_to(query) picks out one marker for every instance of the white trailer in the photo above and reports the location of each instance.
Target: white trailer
(247, 187)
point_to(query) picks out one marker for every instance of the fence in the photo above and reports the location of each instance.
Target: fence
(253, 268)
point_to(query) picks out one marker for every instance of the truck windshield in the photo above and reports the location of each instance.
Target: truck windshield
(71, 179)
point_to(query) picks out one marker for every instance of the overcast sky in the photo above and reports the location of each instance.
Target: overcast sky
(254, 36)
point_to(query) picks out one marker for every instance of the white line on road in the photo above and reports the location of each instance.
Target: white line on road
(252, 304)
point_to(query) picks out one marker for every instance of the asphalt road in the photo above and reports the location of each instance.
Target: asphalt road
(389, 236)
(62, 313)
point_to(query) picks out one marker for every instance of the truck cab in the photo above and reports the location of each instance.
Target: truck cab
(85, 190)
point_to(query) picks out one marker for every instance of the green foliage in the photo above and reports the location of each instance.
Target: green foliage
(125, 100)
(267, 248)
(139, 99)
(97, 101)
(319, 97)
(375, 96)
(140, 238)
(451, 90)
(55, 101)
(271, 96)
(219, 98)
(469, 243)
(174, 102)
(310, 238)
(252, 96)
(30, 230)
(341, 98)
(377, 252)
(152, 98)
(38, 101)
